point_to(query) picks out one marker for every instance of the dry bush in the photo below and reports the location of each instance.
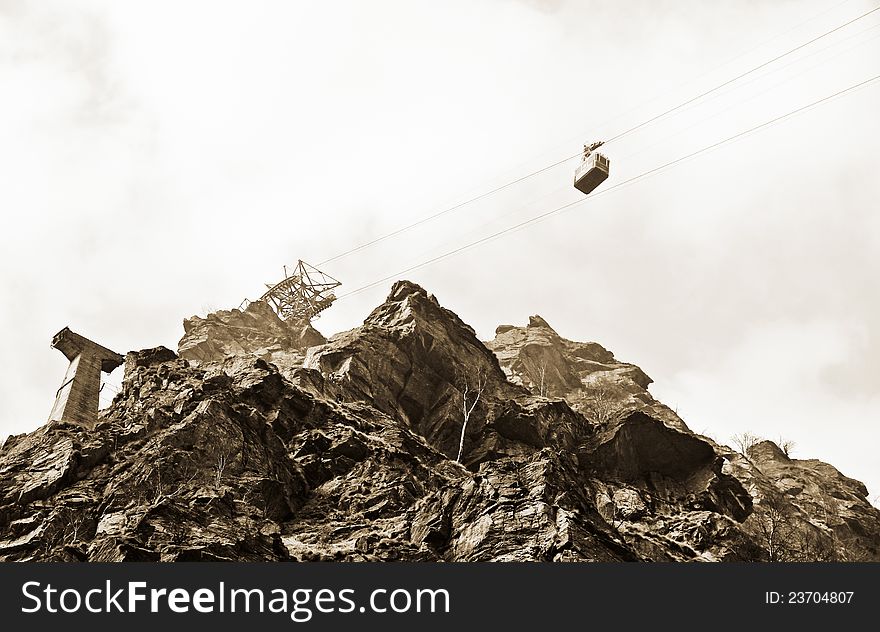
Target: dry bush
(746, 440)
(603, 406)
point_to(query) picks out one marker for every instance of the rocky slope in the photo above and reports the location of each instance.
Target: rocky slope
(261, 440)
(257, 331)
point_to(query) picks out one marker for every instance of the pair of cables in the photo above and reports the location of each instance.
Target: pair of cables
(615, 187)
(624, 133)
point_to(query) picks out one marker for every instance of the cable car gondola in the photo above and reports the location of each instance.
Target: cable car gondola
(593, 170)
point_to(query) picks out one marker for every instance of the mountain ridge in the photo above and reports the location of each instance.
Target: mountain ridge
(260, 439)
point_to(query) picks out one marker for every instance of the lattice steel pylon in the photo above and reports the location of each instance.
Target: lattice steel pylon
(302, 295)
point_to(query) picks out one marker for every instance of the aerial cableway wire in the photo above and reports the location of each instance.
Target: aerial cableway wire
(445, 211)
(619, 185)
(738, 77)
(664, 140)
(653, 119)
(678, 132)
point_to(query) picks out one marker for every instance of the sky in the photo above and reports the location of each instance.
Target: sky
(160, 160)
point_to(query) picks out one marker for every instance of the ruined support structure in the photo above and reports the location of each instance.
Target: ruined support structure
(77, 399)
(302, 295)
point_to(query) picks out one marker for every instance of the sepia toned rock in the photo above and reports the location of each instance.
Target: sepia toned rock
(256, 330)
(262, 440)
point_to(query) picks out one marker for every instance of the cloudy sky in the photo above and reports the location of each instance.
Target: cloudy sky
(163, 159)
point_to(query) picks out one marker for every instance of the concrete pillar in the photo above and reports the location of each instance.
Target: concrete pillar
(77, 399)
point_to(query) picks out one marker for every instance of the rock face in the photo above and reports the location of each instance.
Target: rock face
(263, 441)
(585, 374)
(255, 331)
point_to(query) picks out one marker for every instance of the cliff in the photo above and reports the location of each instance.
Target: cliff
(261, 440)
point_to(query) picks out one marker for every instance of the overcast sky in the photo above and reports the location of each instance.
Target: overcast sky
(162, 159)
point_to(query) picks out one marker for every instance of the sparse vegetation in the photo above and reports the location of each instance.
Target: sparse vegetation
(705, 432)
(471, 392)
(602, 406)
(534, 374)
(218, 469)
(745, 441)
(786, 445)
(776, 529)
(73, 522)
(787, 537)
(66, 528)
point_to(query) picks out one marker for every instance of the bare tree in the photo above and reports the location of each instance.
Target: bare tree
(73, 524)
(155, 487)
(535, 373)
(602, 406)
(746, 440)
(179, 533)
(65, 528)
(218, 469)
(471, 392)
(786, 445)
(785, 537)
(775, 529)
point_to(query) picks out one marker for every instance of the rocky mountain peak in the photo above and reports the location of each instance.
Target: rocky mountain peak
(407, 439)
(538, 358)
(538, 322)
(409, 304)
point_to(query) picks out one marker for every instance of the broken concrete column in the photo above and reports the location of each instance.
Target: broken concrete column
(77, 399)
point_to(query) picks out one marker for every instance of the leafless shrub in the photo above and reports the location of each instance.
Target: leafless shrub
(154, 484)
(775, 529)
(73, 524)
(222, 459)
(786, 445)
(785, 537)
(67, 527)
(745, 441)
(705, 433)
(602, 406)
(158, 485)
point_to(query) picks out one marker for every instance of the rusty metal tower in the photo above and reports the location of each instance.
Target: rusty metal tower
(303, 294)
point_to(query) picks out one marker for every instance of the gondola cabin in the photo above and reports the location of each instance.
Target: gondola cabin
(592, 172)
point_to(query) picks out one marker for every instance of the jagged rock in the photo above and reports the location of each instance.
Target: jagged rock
(541, 360)
(412, 359)
(263, 441)
(148, 357)
(826, 514)
(257, 330)
(37, 466)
